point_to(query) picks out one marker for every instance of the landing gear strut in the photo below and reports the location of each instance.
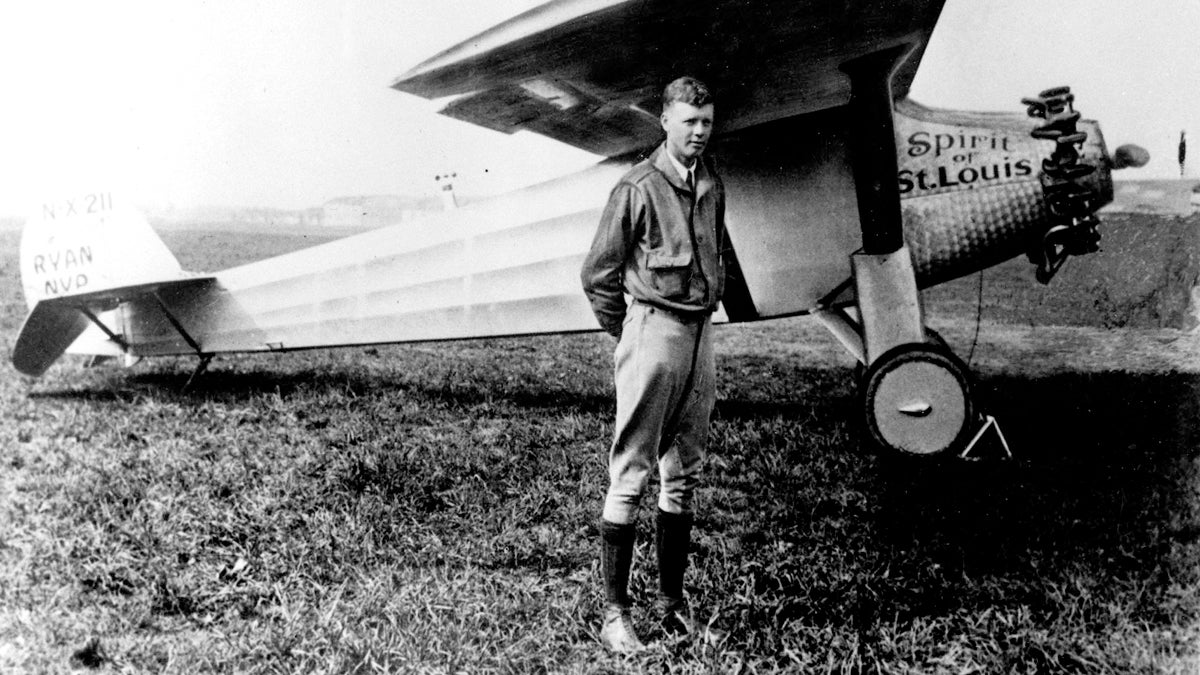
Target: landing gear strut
(916, 395)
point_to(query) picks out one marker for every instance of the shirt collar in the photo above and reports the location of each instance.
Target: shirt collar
(679, 167)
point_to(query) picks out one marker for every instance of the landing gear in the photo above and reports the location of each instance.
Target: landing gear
(916, 395)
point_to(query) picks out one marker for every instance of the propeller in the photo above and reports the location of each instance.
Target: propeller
(1130, 155)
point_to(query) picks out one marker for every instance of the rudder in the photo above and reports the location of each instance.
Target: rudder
(90, 244)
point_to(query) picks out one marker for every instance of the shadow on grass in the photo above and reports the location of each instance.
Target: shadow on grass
(1095, 518)
(1092, 530)
(1100, 460)
(241, 385)
(1100, 466)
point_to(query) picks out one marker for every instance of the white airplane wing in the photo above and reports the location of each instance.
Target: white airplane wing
(589, 72)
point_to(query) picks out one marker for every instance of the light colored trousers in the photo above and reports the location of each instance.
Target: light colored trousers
(655, 424)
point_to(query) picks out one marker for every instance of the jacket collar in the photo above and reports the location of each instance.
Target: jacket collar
(662, 162)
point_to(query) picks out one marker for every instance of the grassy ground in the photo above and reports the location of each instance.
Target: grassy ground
(432, 508)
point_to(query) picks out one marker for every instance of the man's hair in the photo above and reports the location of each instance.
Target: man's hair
(686, 90)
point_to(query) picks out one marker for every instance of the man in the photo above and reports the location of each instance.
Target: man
(659, 241)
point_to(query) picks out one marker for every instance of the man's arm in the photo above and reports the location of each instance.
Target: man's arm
(604, 266)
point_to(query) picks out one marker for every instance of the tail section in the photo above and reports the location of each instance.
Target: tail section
(89, 245)
(80, 258)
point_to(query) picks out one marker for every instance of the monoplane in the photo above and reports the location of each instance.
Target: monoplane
(845, 198)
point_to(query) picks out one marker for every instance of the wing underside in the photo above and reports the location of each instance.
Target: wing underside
(588, 72)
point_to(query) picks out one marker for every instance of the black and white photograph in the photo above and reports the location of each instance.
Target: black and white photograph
(600, 336)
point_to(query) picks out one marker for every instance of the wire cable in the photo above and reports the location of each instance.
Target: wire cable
(978, 318)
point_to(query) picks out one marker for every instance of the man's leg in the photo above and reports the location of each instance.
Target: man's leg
(651, 364)
(679, 470)
(616, 559)
(648, 382)
(673, 538)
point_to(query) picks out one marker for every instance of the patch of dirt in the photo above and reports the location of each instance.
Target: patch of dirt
(1000, 347)
(1050, 349)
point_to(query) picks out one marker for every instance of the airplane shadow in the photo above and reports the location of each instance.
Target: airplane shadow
(1104, 484)
(1102, 464)
(458, 385)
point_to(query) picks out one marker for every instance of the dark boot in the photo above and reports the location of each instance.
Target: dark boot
(616, 560)
(673, 538)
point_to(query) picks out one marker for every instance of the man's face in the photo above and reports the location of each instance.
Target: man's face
(688, 130)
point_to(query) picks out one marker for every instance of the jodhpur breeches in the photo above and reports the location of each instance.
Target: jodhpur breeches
(666, 388)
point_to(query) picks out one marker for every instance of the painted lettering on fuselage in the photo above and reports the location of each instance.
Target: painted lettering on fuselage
(92, 204)
(71, 283)
(924, 180)
(923, 142)
(62, 260)
(62, 270)
(943, 158)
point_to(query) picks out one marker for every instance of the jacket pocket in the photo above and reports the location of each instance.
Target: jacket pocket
(670, 274)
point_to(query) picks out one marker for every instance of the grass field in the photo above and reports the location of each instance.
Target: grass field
(432, 509)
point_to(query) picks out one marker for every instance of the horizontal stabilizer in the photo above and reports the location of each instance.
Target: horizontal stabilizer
(55, 324)
(47, 332)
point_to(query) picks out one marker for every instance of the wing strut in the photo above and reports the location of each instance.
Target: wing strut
(119, 339)
(205, 358)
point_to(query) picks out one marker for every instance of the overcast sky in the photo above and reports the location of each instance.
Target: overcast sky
(287, 104)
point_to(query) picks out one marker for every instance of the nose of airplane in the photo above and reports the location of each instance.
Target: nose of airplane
(1130, 155)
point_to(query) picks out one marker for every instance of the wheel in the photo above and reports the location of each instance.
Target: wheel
(932, 337)
(917, 401)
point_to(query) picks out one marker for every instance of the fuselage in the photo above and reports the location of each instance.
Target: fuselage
(971, 197)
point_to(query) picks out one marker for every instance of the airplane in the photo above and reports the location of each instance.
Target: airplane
(845, 198)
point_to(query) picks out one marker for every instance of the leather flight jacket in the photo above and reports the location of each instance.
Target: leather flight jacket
(658, 241)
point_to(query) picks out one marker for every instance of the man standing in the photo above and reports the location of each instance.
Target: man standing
(659, 241)
(1182, 151)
